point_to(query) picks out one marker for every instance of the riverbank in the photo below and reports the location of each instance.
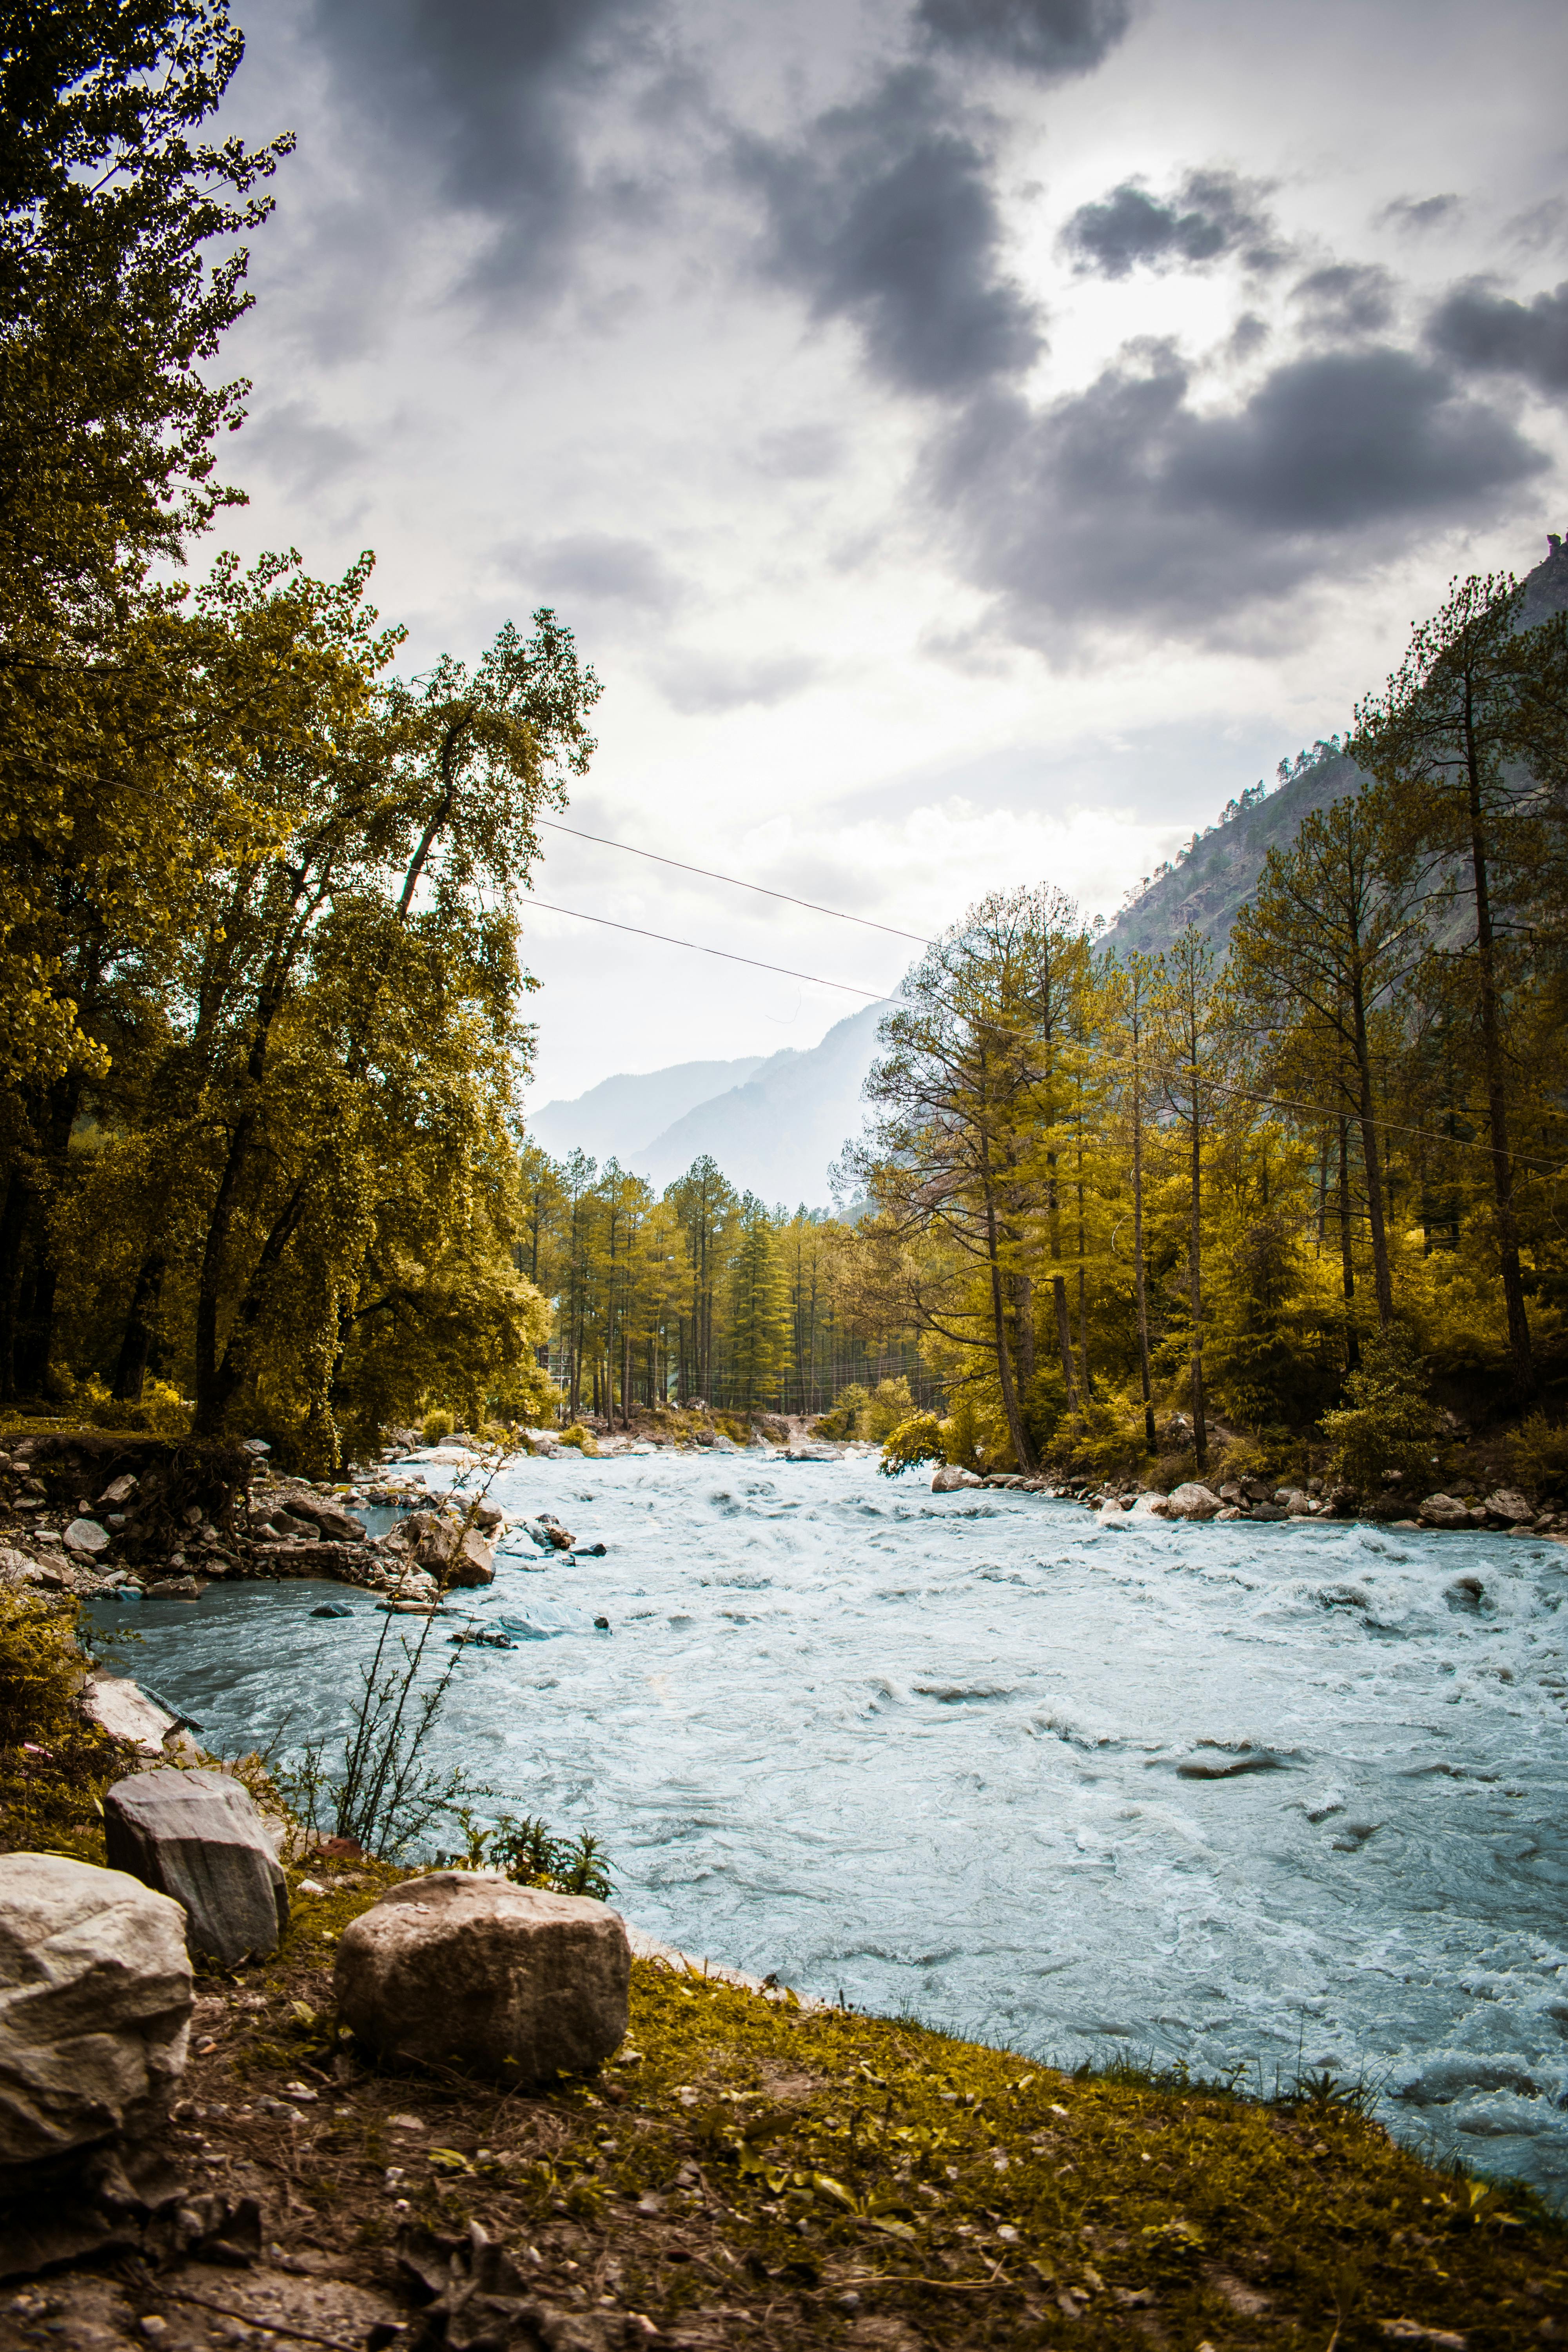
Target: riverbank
(750, 2171)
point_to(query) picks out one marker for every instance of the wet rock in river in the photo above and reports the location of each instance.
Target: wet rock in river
(951, 1476)
(198, 1837)
(464, 1967)
(95, 2004)
(1191, 1501)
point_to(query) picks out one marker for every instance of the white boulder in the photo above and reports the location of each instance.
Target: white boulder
(951, 1476)
(95, 2004)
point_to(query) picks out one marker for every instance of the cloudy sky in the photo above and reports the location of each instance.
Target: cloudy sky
(972, 439)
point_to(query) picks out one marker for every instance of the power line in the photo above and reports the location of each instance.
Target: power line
(875, 996)
(1156, 1069)
(550, 824)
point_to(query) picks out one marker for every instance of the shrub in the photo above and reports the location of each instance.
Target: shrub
(437, 1427)
(1388, 1420)
(583, 1439)
(844, 1418)
(40, 1668)
(1538, 1452)
(917, 1439)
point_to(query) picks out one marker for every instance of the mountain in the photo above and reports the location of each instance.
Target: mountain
(1217, 874)
(615, 1118)
(778, 1134)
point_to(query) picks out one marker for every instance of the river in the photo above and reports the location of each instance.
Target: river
(1265, 1798)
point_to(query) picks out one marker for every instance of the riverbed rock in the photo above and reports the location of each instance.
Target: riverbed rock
(474, 1561)
(1191, 1501)
(328, 1518)
(198, 1837)
(1507, 1504)
(119, 1708)
(951, 1476)
(1443, 1511)
(95, 2005)
(463, 1967)
(85, 1537)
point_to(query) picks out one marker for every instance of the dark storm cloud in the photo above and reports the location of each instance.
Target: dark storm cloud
(1125, 504)
(1211, 214)
(481, 97)
(598, 566)
(1490, 333)
(884, 214)
(1419, 213)
(1347, 298)
(1054, 38)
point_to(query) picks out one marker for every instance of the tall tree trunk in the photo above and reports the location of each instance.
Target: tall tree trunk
(136, 1343)
(1195, 1285)
(1347, 1260)
(1497, 1100)
(1140, 1279)
(1382, 1281)
(13, 1225)
(1021, 1451)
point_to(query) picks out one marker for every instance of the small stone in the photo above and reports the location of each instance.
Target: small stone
(86, 1535)
(199, 1837)
(331, 1608)
(463, 1967)
(119, 1490)
(601, 1624)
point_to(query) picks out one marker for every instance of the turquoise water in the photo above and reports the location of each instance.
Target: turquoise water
(1258, 1796)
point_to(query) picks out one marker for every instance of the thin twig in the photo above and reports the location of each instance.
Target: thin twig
(250, 2319)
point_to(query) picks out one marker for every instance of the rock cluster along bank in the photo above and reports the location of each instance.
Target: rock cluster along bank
(1504, 1510)
(87, 1513)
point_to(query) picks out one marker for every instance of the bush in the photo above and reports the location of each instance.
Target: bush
(918, 1439)
(160, 1408)
(1388, 1420)
(1538, 1452)
(40, 1668)
(847, 1406)
(583, 1439)
(436, 1429)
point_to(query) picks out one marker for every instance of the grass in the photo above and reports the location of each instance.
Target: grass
(788, 2174)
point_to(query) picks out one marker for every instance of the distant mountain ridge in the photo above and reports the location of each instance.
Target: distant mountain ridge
(774, 1126)
(617, 1116)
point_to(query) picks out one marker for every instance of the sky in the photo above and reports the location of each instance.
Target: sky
(971, 440)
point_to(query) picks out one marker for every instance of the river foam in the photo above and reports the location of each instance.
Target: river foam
(1261, 1797)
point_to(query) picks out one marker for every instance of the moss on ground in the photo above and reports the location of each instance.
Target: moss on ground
(751, 2169)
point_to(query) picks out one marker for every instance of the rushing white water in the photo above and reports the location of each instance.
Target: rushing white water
(1271, 1796)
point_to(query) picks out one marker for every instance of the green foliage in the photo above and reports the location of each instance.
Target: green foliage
(40, 1668)
(913, 1441)
(437, 1427)
(583, 1439)
(1388, 1420)
(527, 1851)
(850, 1407)
(1538, 1452)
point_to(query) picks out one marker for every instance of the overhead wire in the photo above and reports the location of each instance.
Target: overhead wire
(1316, 1111)
(553, 824)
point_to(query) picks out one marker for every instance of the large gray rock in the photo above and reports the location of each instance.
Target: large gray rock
(119, 1708)
(1444, 1511)
(1507, 1504)
(951, 1476)
(329, 1519)
(95, 2003)
(199, 1837)
(1191, 1501)
(463, 1967)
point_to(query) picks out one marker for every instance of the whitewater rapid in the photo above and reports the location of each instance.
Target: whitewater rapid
(1265, 1798)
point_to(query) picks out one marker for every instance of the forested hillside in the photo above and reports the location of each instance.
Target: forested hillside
(1319, 1169)
(1212, 877)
